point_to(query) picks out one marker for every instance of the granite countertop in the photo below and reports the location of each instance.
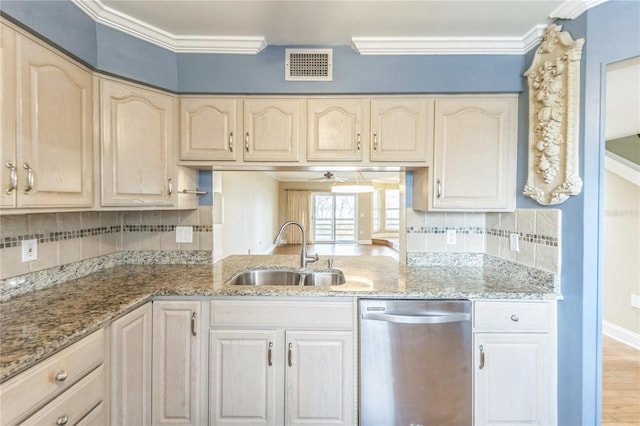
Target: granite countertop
(37, 324)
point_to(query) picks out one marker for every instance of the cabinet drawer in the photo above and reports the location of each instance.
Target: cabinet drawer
(78, 402)
(38, 384)
(290, 314)
(513, 316)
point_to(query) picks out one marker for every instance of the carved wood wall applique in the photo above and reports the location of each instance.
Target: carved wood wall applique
(554, 96)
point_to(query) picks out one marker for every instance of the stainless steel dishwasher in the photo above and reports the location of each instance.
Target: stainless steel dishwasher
(415, 362)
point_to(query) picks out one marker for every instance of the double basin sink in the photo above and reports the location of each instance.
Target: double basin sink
(288, 277)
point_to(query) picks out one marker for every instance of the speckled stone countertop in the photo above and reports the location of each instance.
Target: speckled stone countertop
(37, 324)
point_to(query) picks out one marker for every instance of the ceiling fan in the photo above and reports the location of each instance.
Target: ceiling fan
(329, 177)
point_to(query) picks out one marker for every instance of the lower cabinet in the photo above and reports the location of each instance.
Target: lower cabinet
(66, 388)
(155, 362)
(515, 363)
(272, 363)
(175, 398)
(131, 368)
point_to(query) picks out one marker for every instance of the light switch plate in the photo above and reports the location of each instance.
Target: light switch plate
(29, 250)
(514, 242)
(451, 236)
(184, 234)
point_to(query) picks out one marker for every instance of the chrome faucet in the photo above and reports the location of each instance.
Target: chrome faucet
(304, 259)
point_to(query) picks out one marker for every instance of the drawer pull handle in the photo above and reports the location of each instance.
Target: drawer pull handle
(29, 185)
(290, 355)
(246, 141)
(375, 142)
(230, 141)
(193, 324)
(481, 366)
(61, 376)
(359, 143)
(62, 420)
(269, 354)
(515, 318)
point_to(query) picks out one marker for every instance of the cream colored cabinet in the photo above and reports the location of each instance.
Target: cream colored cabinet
(131, 337)
(474, 165)
(319, 376)
(273, 129)
(8, 118)
(47, 120)
(68, 387)
(176, 363)
(244, 370)
(337, 129)
(514, 363)
(281, 363)
(401, 129)
(138, 160)
(210, 128)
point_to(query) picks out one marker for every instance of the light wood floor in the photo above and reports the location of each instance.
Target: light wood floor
(339, 250)
(620, 383)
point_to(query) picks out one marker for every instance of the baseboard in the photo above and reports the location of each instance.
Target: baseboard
(621, 334)
(365, 242)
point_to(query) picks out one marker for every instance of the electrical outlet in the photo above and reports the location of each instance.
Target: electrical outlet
(184, 234)
(451, 236)
(29, 250)
(514, 242)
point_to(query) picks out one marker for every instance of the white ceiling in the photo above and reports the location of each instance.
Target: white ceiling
(200, 25)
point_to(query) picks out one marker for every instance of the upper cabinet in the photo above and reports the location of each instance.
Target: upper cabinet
(273, 129)
(474, 156)
(337, 129)
(210, 128)
(401, 129)
(137, 130)
(47, 150)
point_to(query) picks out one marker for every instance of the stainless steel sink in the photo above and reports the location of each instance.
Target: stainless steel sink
(287, 277)
(324, 278)
(266, 277)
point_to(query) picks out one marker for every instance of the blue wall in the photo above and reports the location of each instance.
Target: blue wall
(612, 34)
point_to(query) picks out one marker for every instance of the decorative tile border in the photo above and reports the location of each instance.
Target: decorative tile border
(531, 238)
(50, 237)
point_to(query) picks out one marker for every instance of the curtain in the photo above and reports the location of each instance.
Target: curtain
(298, 209)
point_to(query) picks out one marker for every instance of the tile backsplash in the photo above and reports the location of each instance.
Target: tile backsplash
(67, 237)
(539, 233)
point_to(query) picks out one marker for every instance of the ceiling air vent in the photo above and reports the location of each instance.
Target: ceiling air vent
(309, 65)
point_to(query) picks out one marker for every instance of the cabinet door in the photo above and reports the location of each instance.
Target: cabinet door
(512, 379)
(8, 120)
(336, 129)
(400, 129)
(56, 129)
(475, 153)
(131, 368)
(137, 128)
(210, 128)
(176, 363)
(243, 388)
(273, 129)
(319, 377)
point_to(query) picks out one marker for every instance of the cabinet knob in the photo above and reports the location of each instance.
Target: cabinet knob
(515, 318)
(61, 376)
(13, 177)
(62, 420)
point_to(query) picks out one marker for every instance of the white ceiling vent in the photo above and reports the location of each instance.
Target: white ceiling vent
(309, 65)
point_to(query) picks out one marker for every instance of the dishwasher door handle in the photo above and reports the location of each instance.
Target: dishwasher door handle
(439, 318)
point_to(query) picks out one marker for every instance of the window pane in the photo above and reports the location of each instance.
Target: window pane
(392, 209)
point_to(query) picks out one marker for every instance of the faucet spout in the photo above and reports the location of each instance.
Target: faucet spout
(304, 258)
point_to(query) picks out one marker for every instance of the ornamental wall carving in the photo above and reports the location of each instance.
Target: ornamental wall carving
(554, 97)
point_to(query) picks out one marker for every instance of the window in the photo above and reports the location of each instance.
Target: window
(391, 209)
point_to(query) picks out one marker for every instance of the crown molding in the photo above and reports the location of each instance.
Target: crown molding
(179, 44)
(571, 9)
(448, 45)
(112, 18)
